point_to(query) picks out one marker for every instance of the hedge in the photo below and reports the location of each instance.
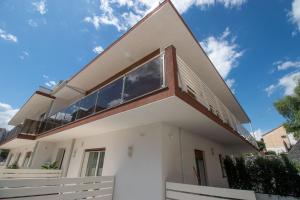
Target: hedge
(271, 175)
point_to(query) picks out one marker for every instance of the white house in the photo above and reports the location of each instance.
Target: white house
(150, 108)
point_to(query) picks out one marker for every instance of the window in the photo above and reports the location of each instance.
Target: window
(9, 159)
(26, 159)
(93, 162)
(200, 167)
(60, 157)
(17, 159)
(221, 158)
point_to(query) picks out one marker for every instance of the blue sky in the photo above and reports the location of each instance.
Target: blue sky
(254, 44)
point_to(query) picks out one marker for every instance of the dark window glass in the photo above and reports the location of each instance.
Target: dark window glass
(51, 123)
(87, 105)
(110, 95)
(70, 113)
(143, 80)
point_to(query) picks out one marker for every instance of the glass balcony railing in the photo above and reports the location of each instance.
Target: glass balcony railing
(143, 80)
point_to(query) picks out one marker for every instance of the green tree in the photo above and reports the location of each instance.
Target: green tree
(289, 108)
(261, 145)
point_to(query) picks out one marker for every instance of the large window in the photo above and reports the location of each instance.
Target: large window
(93, 162)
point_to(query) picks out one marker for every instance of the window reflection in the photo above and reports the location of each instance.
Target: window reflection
(143, 80)
(87, 105)
(70, 113)
(110, 95)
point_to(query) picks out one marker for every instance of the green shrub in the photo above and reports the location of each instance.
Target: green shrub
(270, 175)
(50, 165)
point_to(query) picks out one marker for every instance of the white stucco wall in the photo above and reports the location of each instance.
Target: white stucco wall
(184, 173)
(156, 158)
(23, 150)
(139, 175)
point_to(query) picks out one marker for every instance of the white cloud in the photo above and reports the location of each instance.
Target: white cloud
(45, 76)
(134, 10)
(283, 65)
(98, 49)
(294, 14)
(24, 55)
(40, 6)
(288, 83)
(7, 36)
(6, 113)
(51, 84)
(32, 23)
(223, 52)
(257, 134)
(231, 83)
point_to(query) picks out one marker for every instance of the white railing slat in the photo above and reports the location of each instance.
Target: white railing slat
(60, 188)
(209, 192)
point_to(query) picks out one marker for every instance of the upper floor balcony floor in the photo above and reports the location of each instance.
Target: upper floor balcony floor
(122, 76)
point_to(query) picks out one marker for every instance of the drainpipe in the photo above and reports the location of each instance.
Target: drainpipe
(69, 158)
(181, 156)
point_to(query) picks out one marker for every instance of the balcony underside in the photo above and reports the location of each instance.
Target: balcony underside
(171, 110)
(18, 141)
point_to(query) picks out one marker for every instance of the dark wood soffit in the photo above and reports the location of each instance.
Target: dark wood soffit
(124, 71)
(194, 103)
(45, 94)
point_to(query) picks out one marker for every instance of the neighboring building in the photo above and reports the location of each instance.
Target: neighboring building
(150, 108)
(278, 140)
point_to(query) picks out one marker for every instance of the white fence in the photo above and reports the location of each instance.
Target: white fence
(190, 82)
(178, 191)
(100, 188)
(29, 173)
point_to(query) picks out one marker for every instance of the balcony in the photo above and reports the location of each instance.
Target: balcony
(190, 83)
(28, 128)
(146, 79)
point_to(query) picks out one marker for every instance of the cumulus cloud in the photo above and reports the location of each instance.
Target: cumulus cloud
(288, 83)
(283, 65)
(294, 14)
(51, 84)
(231, 83)
(8, 36)
(6, 113)
(98, 49)
(257, 134)
(134, 10)
(24, 55)
(223, 52)
(40, 6)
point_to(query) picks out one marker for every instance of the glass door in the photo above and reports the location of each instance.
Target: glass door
(200, 167)
(93, 163)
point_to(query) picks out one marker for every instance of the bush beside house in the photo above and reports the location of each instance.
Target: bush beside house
(271, 175)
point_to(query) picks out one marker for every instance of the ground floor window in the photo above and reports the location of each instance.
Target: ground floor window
(60, 157)
(200, 167)
(26, 159)
(93, 162)
(221, 158)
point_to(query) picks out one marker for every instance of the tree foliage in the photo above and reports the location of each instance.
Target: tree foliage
(289, 108)
(270, 175)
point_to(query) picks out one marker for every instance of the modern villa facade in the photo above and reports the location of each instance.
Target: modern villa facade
(150, 108)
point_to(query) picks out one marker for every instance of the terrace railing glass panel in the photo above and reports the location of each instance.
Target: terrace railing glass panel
(110, 95)
(143, 80)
